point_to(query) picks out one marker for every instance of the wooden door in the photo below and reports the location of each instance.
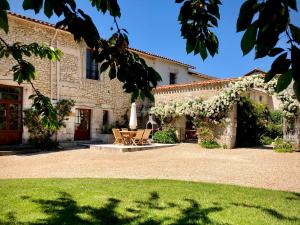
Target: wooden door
(82, 126)
(10, 115)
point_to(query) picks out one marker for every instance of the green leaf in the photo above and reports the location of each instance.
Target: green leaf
(295, 33)
(48, 8)
(212, 44)
(107, 5)
(203, 51)
(112, 72)
(213, 20)
(104, 67)
(284, 80)
(3, 20)
(72, 4)
(292, 4)
(275, 51)
(247, 11)
(296, 88)
(36, 5)
(213, 9)
(113, 8)
(295, 56)
(135, 94)
(249, 38)
(189, 46)
(4, 5)
(197, 47)
(279, 66)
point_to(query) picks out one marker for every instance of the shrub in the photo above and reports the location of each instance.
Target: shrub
(166, 136)
(107, 129)
(266, 140)
(282, 146)
(210, 144)
(224, 146)
(276, 116)
(39, 135)
(205, 134)
(206, 137)
(251, 123)
(274, 131)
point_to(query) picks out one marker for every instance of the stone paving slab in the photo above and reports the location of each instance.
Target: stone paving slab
(128, 148)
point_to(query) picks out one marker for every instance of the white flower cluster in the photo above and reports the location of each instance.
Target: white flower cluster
(216, 108)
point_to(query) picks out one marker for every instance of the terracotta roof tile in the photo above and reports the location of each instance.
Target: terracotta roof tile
(34, 20)
(194, 84)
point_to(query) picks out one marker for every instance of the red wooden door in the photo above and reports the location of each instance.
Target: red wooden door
(82, 126)
(10, 115)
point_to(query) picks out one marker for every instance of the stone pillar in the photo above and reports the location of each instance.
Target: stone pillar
(231, 128)
(179, 126)
(291, 132)
(225, 132)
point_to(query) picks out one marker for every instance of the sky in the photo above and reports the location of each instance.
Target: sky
(153, 27)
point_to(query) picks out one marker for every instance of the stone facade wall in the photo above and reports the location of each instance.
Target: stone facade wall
(261, 96)
(225, 133)
(167, 96)
(65, 79)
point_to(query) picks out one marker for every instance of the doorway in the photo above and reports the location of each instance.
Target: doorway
(10, 115)
(83, 124)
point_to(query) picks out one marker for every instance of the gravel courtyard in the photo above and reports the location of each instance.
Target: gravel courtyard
(246, 167)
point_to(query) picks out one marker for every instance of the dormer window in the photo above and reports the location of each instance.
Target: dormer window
(91, 66)
(173, 78)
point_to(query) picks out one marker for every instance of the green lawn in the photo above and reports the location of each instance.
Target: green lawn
(143, 202)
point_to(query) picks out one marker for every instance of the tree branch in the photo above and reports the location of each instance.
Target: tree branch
(117, 25)
(4, 42)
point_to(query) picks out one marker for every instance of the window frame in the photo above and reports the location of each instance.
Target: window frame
(92, 69)
(105, 115)
(172, 78)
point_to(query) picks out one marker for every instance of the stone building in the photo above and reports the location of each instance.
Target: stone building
(225, 134)
(99, 100)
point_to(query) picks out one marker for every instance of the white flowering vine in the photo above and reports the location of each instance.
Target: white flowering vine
(217, 107)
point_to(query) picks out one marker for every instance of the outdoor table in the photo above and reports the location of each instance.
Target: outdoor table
(128, 134)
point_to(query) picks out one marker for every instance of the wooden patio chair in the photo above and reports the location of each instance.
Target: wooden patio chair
(146, 135)
(138, 139)
(118, 137)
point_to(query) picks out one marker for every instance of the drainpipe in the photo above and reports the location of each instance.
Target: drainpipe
(57, 77)
(51, 69)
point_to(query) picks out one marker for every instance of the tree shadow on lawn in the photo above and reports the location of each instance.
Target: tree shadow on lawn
(295, 197)
(271, 212)
(65, 210)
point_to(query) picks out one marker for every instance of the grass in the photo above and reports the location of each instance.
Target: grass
(142, 202)
(210, 144)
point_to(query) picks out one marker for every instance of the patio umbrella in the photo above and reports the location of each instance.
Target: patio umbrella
(133, 117)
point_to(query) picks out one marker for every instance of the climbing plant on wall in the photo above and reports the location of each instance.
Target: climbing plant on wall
(215, 109)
